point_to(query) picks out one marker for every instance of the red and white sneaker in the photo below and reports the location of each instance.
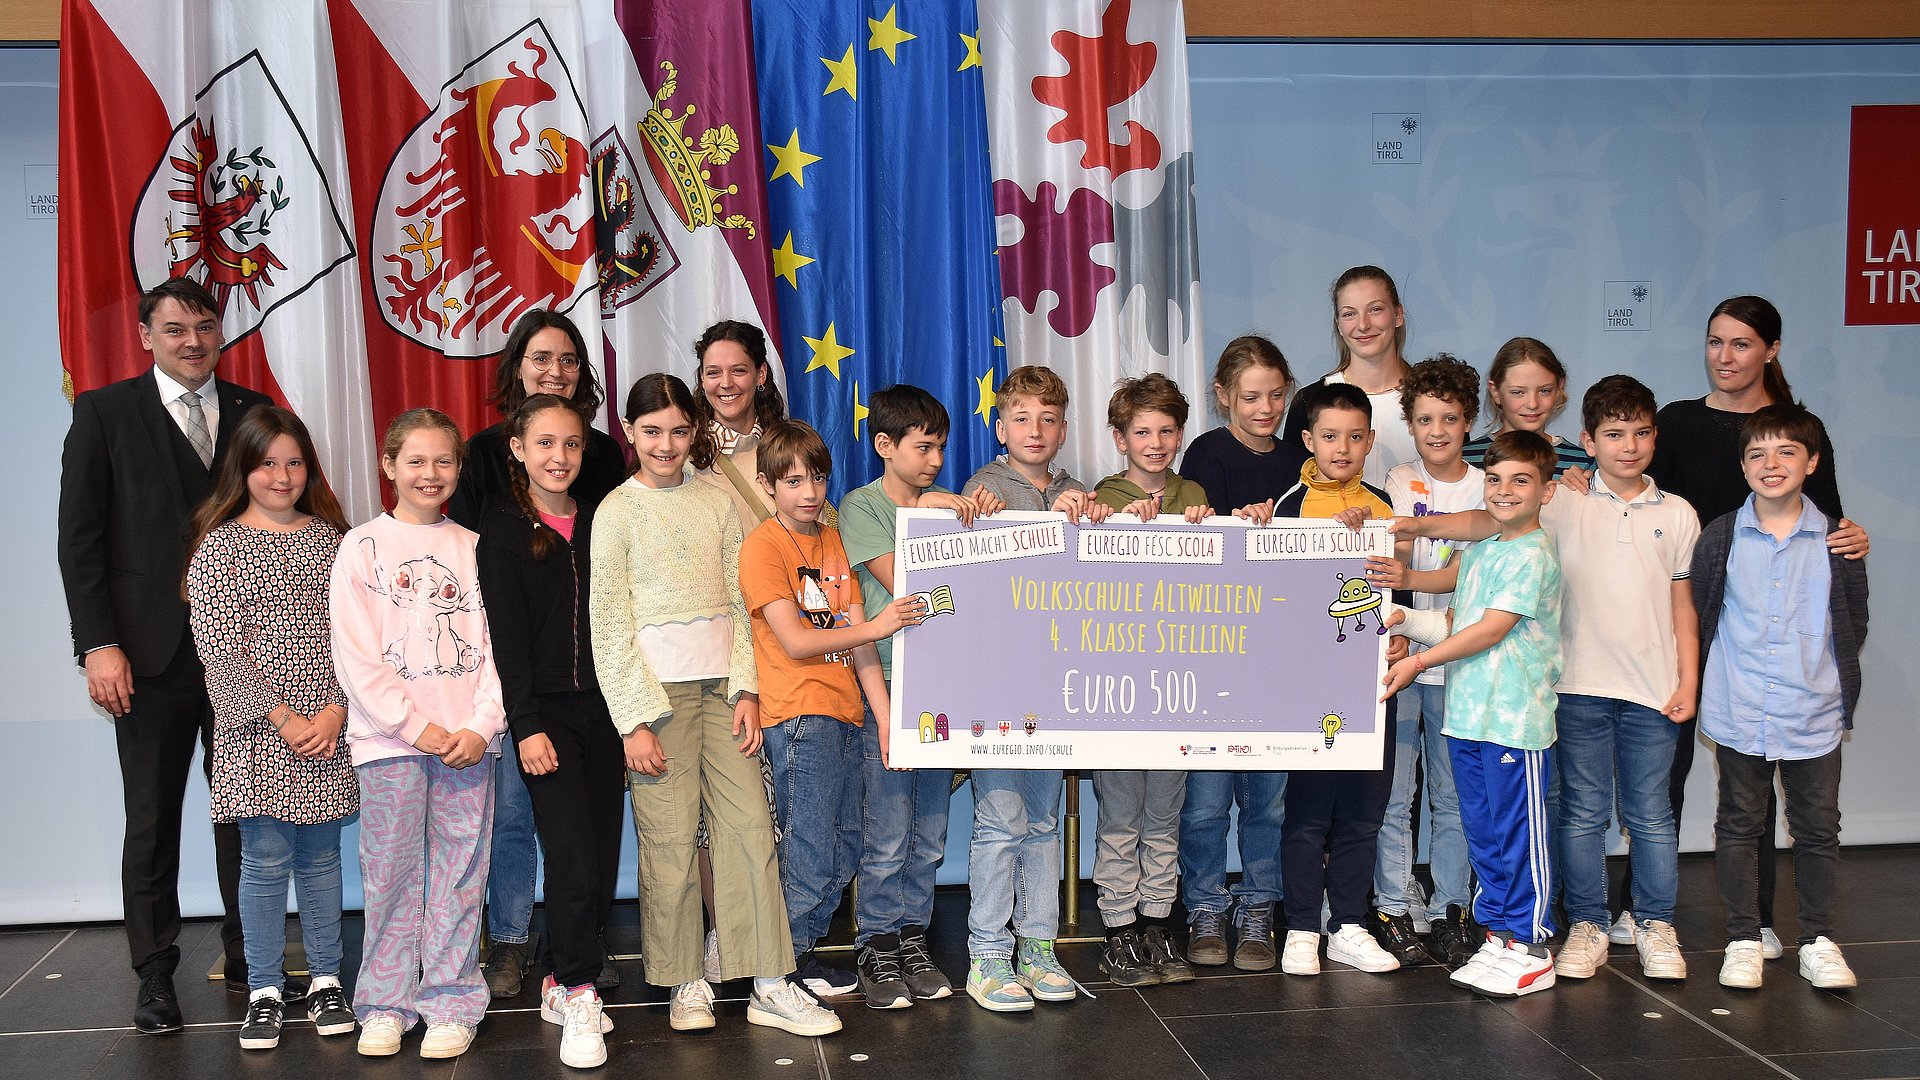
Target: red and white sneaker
(1516, 973)
(1479, 965)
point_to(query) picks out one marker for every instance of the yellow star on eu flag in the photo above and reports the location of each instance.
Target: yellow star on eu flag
(859, 410)
(988, 399)
(846, 75)
(885, 35)
(972, 59)
(827, 351)
(787, 262)
(791, 160)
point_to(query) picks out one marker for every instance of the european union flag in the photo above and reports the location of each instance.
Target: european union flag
(881, 206)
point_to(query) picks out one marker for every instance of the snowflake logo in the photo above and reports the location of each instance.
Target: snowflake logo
(1409, 125)
(1640, 293)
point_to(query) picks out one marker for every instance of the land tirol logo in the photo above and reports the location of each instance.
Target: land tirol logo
(1883, 233)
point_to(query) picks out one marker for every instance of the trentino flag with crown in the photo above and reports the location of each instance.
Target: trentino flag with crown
(881, 206)
(1093, 182)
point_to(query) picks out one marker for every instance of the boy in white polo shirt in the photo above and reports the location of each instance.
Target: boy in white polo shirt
(1630, 675)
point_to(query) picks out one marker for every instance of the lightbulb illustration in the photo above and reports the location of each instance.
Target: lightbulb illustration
(1330, 726)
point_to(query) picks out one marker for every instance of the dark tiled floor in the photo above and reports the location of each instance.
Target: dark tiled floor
(65, 996)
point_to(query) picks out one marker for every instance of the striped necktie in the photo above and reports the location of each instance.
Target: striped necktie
(197, 433)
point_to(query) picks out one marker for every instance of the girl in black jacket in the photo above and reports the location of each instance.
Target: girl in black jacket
(533, 576)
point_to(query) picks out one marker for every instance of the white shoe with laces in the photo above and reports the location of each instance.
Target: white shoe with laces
(553, 1005)
(1584, 953)
(1659, 948)
(1302, 953)
(1353, 946)
(1822, 965)
(792, 1009)
(1743, 965)
(692, 1006)
(446, 1040)
(582, 1044)
(380, 1035)
(1622, 930)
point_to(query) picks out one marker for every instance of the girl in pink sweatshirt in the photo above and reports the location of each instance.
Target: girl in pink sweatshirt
(411, 649)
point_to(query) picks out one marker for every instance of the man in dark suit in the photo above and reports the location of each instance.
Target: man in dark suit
(141, 455)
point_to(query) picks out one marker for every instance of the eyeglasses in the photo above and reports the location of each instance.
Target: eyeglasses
(545, 361)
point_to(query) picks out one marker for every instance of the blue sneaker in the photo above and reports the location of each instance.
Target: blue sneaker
(1040, 972)
(990, 981)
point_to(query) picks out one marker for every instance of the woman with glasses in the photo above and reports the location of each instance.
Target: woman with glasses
(544, 355)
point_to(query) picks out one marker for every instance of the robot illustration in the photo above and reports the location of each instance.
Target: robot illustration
(1357, 597)
(430, 594)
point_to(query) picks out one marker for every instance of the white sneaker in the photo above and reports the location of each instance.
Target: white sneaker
(1353, 946)
(1770, 946)
(1822, 965)
(692, 1007)
(710, 963)
(1741, 969)
(446, 1040)
(582, 1042)
(1622, 931)
(380, 1035)
(1659, 948)
(1516, 973)
(1301, 956)
(553, 1005)
(792, 1009)
(1585, 952)
(1479, 965)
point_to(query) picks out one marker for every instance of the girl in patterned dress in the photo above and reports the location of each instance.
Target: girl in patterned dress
(672, 648)
(411, 647)
(264, 544)
(534, 565)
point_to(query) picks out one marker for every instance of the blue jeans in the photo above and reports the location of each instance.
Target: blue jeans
(515, 856)
(1607, 746)
(1013, 863)
(903, 837)
(271, 852)
(1420, 709)
(818, 776)
(1261, 797)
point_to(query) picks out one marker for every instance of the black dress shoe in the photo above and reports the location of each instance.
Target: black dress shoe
(156, 1011)
(234, 975)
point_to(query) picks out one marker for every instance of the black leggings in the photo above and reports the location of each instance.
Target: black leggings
(578, 810)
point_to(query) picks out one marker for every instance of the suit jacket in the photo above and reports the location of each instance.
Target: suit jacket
(129, 482)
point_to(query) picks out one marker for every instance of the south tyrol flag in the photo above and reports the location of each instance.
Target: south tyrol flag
(1093, 182)
(880, 204)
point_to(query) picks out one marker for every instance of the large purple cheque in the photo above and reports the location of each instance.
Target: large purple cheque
(1137, 645)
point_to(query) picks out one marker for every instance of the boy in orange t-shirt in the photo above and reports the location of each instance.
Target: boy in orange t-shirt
(813, 646)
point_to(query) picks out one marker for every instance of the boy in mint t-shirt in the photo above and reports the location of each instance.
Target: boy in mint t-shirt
(1502, 660)
(905, 830)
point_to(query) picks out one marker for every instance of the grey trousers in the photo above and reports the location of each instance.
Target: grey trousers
(1136, 862)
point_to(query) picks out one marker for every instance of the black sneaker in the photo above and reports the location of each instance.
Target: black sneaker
(1125, 961)
(1254, 949)
(822, 979)
(1163, 952)
(261, 1029)
(924, 979)
(878, 971)
(1396, 935)
(328, 1009)
(507, 964)
(1207, 941)
(156, 1009)
(1454, 939)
